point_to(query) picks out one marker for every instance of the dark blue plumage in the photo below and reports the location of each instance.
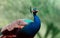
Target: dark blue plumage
(30, 29)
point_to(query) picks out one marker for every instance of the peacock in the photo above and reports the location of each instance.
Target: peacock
(31, 28)
(28, 31)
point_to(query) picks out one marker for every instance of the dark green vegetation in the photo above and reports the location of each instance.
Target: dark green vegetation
(49, 13)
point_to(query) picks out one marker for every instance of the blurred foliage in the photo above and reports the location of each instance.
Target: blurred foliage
(49, 13)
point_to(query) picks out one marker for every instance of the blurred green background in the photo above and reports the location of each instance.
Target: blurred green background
(49, 13)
